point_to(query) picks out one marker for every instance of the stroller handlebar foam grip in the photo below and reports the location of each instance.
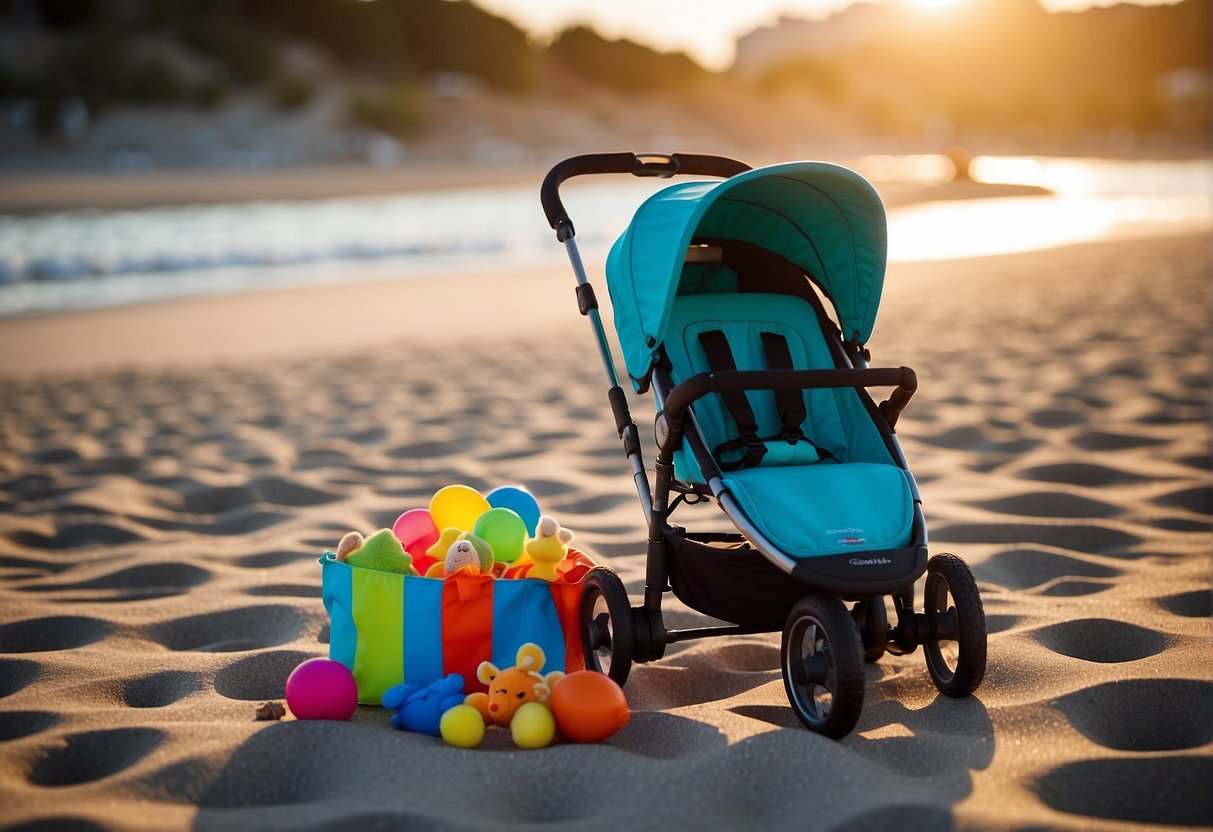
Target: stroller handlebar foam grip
(637, 164)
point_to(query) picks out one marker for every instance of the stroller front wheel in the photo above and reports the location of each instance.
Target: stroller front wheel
(607, 636)
(823, 665)
(956, 654)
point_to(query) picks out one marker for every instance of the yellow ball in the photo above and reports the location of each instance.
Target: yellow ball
(533, 726)
(462, 726)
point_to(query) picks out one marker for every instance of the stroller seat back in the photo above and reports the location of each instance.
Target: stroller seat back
(815, 475)
(760, 331)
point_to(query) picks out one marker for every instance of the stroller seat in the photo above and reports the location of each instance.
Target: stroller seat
(834, 490)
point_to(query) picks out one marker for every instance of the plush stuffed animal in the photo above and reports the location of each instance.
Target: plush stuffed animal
(513, 687)
(420, 709)
(467, 555)
(547, 548)
(382, 551)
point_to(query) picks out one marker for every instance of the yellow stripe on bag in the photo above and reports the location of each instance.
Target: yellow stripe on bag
(378, 611)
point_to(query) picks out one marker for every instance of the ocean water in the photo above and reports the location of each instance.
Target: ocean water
(87, 258)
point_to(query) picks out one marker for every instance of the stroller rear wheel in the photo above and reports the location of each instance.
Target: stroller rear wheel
(823, 665)
(607, 635)
(956, 655)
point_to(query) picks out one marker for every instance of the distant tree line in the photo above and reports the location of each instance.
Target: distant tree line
(386, 46)
(994, 64)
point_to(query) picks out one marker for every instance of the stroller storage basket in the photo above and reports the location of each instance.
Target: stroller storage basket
(721, 575)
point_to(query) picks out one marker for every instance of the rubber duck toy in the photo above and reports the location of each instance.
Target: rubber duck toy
(547, 548)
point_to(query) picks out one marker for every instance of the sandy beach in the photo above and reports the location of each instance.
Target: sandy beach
(170, 473)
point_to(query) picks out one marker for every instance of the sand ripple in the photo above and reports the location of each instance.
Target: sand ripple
(159, 529)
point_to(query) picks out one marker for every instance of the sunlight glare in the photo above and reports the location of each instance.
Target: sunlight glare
(935, 5)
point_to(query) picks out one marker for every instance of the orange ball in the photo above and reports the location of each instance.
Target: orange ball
(588, 706)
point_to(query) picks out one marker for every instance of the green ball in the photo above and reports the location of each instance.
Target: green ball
(504, 530)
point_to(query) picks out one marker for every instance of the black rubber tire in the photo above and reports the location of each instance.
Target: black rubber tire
(956, 664)
(822, 662)
(607, 637)
(872, 619)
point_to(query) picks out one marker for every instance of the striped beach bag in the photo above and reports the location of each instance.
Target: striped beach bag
(389, 628)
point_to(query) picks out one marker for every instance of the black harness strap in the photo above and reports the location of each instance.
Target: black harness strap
(720, 357)
(789, 400)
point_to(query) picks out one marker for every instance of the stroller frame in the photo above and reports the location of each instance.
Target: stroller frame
(824, 644)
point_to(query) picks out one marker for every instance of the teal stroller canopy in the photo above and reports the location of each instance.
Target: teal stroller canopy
(827, 220)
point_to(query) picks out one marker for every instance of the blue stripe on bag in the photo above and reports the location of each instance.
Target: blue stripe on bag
(523, 610)
(337, 591)
(422, 630)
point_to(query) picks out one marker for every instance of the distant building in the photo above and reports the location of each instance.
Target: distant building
(791, 37)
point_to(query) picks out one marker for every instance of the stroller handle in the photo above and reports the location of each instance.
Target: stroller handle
(637, 164)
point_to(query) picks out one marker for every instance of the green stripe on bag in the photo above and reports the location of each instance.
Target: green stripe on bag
(379, 613)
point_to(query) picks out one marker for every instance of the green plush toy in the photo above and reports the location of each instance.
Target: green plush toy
(382, 551)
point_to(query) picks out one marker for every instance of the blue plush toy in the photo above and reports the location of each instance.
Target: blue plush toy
(420, 709)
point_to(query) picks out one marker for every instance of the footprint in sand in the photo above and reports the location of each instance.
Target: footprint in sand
(1097, 440)
(160, 689)
(1195, 604)
(1198, 500)
(1102, 640)
(1143, 714)
(16, 674)
(93, 755)
(132, 583)
(286, 591)
(229, 631)
(1163, 790)
(16, 725)
(1079, 536)
(1050, 504)
(1081, 473)
(1027, 568)
(260, 676)
(269, 560)
(78, 536)
(63, 632)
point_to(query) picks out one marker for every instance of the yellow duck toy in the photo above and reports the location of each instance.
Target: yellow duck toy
(547, 548)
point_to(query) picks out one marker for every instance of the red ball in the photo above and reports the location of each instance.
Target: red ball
(588, 706)
(321, 689)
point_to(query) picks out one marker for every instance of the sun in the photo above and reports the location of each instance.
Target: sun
(935, 5)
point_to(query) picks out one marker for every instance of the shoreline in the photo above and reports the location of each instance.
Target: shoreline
(342, 317)
(54, 192)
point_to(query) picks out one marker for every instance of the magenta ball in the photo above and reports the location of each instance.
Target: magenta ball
(321, 689)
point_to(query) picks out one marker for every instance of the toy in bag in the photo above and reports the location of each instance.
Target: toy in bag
(392, 626)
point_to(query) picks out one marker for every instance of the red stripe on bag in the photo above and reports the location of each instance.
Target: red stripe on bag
(467, 626)
(567, 598)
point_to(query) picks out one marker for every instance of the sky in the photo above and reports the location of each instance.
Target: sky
(704, 29)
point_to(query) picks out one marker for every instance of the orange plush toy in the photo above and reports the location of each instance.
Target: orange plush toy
(513, 687)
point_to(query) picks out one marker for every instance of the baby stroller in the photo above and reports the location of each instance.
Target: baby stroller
(719, 292)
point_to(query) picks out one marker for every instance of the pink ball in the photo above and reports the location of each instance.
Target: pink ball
(416, 531)
(321, 689)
